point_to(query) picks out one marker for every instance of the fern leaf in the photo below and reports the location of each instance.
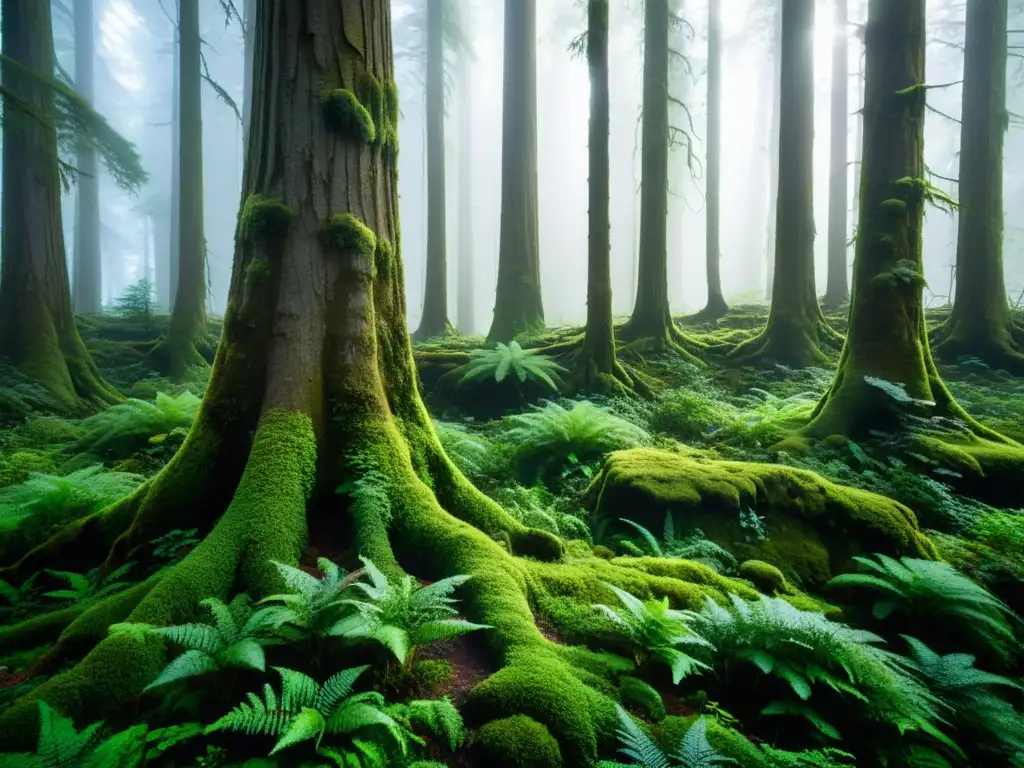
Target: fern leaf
(126, 749)
(297, 580)
(307, 724)
(255, 717)
(247, 653)
(681, 664)
(438, 594)
(445, 629)
(648, 537)
(222, 619)
(636, 744)
(805, 711)
(441, 718)
(395, 639)
(297, 689)
(695, 751)
(352, 716)
(191, 663)
(194, 637)
(337, 687)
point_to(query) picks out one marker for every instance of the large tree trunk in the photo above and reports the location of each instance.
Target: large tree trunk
(716, 306)
(37, 327)
(87, 275)
(249, 24)
(796, 326)
(651, 320)
(980, 324)
(518, 307)
(837, 290)
(466, 310)
(175, 241)
(773, 149)
(177, 351)
(434, 320)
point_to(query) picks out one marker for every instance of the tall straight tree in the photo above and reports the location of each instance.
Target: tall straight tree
(434, 321)
(174, 353)
(466, 308)
(596, 365)
(37, 327)
(796, 327)
(518, 306)
(887, 338)
(87, 261)
(651, 320)
(775, 45)
(837, 288)
(716, 306)
(980, 324)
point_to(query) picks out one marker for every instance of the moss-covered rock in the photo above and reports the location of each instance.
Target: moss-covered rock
(517, 742)
(812, 527)
(765, 576)
(639, 696)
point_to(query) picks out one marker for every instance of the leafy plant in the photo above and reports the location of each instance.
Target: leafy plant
(655, 632)
(933, 591)
(306, 710)
(89, 586)
(403, 615)
(525, 364)
(172, 544)
(235, 639)
(313, 605)
(438, 717)
(692, 547)
(125, 428)
(693, 751)
(137, 301)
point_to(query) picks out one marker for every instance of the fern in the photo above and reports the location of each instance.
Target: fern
(89, 586)
(655, 633)
(934, 591)
(234, 639)
(504, 359)
(403, 615)
(125, 428)
(438, 717)
(693, 547)
(548, 438)
(693, 750)
(313, 605)
(306, 710)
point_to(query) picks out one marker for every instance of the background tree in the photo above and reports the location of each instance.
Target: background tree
(174, 353)
(87, 257)
(980, 324)
(518, 305)
(651, 320)
(836, 288)
(37, 327)
(716, 306)
(466, 300)
(796, 327)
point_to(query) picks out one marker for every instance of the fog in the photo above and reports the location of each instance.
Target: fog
(135, 87)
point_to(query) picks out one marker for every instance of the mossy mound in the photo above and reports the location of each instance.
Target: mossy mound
(812, 527)
(765, 576)
(517, 742)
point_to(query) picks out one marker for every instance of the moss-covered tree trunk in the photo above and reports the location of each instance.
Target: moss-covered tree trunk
(434, 321)
(887, 339)
(518, 306)
(837, 289)
(177, 351)
(796, 327)
(87, 265)
(651, 320)
(37, 327)
(466, 300)
(775, 44)
(716, 306)
(980, 324)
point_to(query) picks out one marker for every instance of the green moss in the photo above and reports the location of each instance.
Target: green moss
(637, 695)
(16, 466)
(431, 673)
(264, 220)
(384, 257)
(39, 629)
(765, 576)
(346, 115)
(391, 101)
(517, 742)
(257, 271)
(731, 744)
(371, 94)
(347, 233)
(813, 526)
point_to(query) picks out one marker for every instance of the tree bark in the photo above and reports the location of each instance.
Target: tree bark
(518, 306)
(651, 320)
(87, 277)
(837, 290)
(466, 310)
(37, 327)
(716, 306)
(177, 351)
(434, 320)
(980, 324)
(249, 22)
(175, 252)
(773, 149)
(796, 327)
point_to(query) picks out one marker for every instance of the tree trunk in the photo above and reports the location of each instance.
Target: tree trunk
(173, 354)
(434, 320)
(887, 339)
(773, 148)
(249, 22)
(716, 306)
(681, 82)
(836, 289)
(37, 327)
(980, 324)
(162, 257)
(518, 307)
(175, 252)
(466, 309)
(87, 277)
(796, 326)
(651, 320)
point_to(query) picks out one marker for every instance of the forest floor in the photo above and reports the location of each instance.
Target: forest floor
(556, 464)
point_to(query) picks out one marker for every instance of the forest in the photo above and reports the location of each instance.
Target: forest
(728, 475)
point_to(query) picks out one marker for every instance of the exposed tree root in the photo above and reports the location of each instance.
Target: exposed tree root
(794, 340)
(660, 338)
(713, 310)
(1001, 348)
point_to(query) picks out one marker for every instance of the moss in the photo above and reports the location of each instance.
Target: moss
(345, 232)
(603, 552)
(264, 219)
(431, 673)
(637, 695)
(41, 628)
(517, 742)
(371, 94)
(766, 577)
(813, 526)
(16, 467)
(731, 744)
(384, 257)
(346, 115)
